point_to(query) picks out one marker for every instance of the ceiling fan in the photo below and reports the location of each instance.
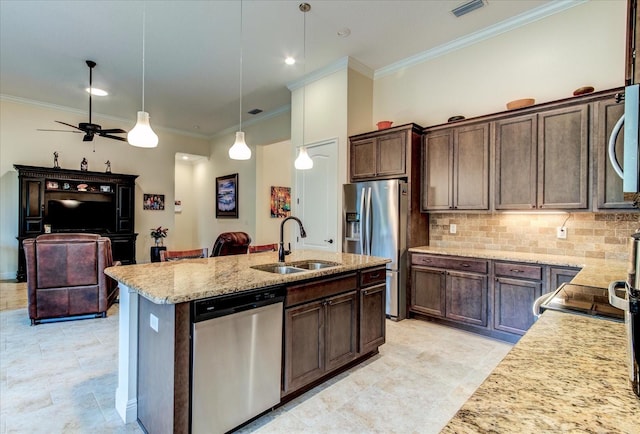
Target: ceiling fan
(88, 128)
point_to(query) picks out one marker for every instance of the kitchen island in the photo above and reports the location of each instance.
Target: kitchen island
(155, 323)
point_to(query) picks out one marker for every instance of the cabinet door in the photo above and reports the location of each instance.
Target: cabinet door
(32, 206)
(372, 318)
(125, 211)
(341, 329)
(304, 359)
(561, 275)
(391, 155)
(471, 168)
(516, 163)
(428, 291)
(513, 300)
(609, 183)
(466, 298)
(363, 159)
(563, 158)
(437, 177)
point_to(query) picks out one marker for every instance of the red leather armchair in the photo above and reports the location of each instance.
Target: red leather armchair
(65, 276)
(231, 243)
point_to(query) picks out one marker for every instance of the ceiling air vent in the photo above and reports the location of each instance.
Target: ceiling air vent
(255, 111)
(468, 7)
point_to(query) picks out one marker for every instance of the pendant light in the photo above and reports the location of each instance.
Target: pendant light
(303, 161)
(240, 150)
(142, 135)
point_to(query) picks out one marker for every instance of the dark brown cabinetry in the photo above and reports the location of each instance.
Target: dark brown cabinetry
(455, 166)
(516, 287)
(100, 203)
(385, 154)
(320, 329)
(373, 291)
(542, 160)
(450, 288)
(560, 275)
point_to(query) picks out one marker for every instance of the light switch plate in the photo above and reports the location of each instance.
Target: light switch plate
(453, 228)
(153, 322)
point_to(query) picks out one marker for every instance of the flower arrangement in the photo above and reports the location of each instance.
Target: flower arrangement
(159, 233)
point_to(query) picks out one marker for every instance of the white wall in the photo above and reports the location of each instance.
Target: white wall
(20, 143)
(184, 235)
(272, 161)
(546, 60)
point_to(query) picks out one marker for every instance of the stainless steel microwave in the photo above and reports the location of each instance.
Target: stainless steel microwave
(630, 173)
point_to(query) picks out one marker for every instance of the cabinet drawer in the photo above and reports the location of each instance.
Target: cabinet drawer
(460, 264)
(373, 277)
(305, 292)
(521, 271)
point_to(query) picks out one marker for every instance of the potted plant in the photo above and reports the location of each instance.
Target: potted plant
(158, 234)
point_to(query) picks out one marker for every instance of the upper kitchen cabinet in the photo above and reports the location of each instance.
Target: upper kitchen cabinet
(609, 184)
(385, 154)
(542, 160)
(455, 168)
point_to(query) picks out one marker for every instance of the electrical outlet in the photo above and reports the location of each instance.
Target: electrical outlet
(153, 322)
(561, 232)
(453, 228)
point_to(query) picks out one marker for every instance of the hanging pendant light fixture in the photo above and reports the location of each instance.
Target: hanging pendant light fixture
(303, 161)
(142, 135)
(240, 150)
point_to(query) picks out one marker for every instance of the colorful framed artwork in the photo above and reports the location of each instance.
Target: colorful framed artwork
(227, 196)
(280, 202)
(153, 202)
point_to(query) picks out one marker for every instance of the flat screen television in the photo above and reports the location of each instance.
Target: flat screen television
(69, 215)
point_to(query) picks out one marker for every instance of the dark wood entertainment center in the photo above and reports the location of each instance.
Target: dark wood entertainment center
(83, 201)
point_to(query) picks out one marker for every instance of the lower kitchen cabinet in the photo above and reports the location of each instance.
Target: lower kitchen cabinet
(320, 329)
(560, 275)
(450, 288)
(373, 298)
(516, 287)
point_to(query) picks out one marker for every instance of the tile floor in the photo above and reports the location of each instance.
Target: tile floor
(61, 378)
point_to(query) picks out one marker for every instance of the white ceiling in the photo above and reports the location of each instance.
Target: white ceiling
(193, 50)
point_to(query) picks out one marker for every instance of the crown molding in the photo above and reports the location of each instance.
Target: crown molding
(523, 19)
(338, 65)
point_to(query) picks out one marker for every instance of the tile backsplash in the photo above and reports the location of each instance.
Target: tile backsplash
(592, 235)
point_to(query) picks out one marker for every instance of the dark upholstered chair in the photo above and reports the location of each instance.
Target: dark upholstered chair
(263, 248)
(65, 276)
(231, 243)
(176, 255)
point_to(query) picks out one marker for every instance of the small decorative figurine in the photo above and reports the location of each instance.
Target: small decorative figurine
(84, 165)
(108, 169)
(55, 160)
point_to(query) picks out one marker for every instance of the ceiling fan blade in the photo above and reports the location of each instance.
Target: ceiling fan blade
(113, 130)
(88, 138)
(60, 131)
(108, 136)
(69, 125)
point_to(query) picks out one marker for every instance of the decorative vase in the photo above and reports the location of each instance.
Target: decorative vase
(159, 242)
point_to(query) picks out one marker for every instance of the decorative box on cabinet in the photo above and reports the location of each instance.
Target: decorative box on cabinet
(385, 154)
(41, 186)
(455, 168)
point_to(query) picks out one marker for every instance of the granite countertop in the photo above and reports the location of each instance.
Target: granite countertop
(186, 280)
(568, 373)
(594, 272)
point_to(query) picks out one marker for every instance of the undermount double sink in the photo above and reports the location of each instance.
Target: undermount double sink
(295, 267)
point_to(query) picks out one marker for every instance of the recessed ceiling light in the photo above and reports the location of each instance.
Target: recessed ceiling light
(290, 61)
(97, 92)
(185, 157)
(343, 33)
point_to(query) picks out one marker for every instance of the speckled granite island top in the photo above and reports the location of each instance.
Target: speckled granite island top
(568, 373)
(594, 272)
(186, 280)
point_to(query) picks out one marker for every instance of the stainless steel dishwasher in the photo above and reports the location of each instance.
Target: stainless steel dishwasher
(237, 358)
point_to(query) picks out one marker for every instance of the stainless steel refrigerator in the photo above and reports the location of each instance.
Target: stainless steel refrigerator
(375, 223)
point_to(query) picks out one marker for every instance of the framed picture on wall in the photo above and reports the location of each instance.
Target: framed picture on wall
(153, 202)
(227, 196)
(280, 202)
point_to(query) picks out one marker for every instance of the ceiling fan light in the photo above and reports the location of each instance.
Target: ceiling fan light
(240, 150)
(142, 135)
(303, 162)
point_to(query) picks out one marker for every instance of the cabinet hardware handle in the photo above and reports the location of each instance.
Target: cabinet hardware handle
(465, 265)
(366, 292)
(516, 271)
(375, 276)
